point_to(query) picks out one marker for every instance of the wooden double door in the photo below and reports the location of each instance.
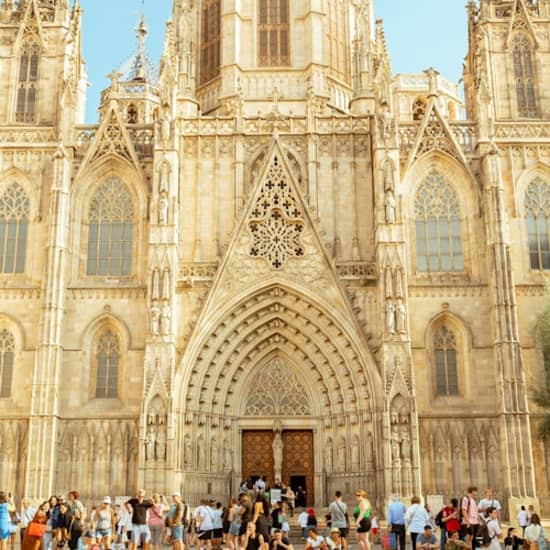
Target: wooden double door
(298, 465)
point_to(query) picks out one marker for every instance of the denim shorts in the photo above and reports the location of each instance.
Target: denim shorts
(176, 532)
(140, 533)
(100, 533)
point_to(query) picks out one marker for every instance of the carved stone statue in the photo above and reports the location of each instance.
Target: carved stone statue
(401, 317)
(399, 283)
(164, 177)
(201, 454)
(155, 320)
(390, 318)
(389, 207)
(405, 444)
(213, 455)
(395, 447)
(388, 177)
(150, 445)
(328, 455)
(355, 454)
(160, 444)
(278, 447)
(165, 126)
(165, 319)
(187, 451)
(227, 458)
(388, 282)
(163, 208)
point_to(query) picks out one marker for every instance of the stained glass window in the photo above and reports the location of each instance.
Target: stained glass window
(110, 230)
(438, 227)
(274, 33)
(25, 110)
(524, 77)
(210, 41)
(446, 362)
(537, 215)
(107, 364)
(14, 226)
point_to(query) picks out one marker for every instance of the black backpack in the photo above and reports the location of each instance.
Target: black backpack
(483, 534)
(439, 519)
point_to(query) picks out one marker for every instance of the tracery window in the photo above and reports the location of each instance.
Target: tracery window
(7, 352)
(524, 76)
(438, 227)
(107, 358)
(337, 39)
(14, 225)
(25, 110)
(110, 230)
(274, 33)
(445, 349)
(210, 41)
(537, 214)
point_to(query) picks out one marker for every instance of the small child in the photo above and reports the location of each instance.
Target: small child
(374, 529)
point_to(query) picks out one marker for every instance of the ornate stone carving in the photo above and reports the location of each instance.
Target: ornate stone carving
(276, 391)
(276, 222)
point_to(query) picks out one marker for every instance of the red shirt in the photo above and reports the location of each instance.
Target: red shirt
(452, 524)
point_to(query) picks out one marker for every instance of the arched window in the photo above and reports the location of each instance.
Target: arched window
(107, 357)
(14, 225)
(419, 108)
(445, 351)
(210, 41)
(7, 351)
(25, 110)
(438, 227)
(273, 33)
(110, 230)
(537, 215)
(338, 39)
(524, 76)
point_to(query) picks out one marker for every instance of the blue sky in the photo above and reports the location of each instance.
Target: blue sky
(420, 34)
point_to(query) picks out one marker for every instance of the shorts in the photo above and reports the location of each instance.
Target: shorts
(5, 533)
(364, 526)
(344, 531)
(217, 533)
(242, 529)
(234, 529)
(205, 535)
(140, 533)
(176, 532)
(100, 533)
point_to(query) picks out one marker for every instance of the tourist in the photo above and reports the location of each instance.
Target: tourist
(470, 516)
(232, 537)
(217, 532)
(245, 514)
(6, 526)
(335, 541)
(535, 534)
(176, 518)
(512, 541)
(449, 520)
(314, 540)
(155, 520)
(260, 486)
(396, 521)
(63, 521)
(204, 518)
(253, 540)
(493, 527)
(302, 522)
(261, 513)
(530, 512)
(26, 516)
(454, 542)
(104, 521)
(416, 518)
(74, 504)
(279, 542)
(301, 497)
(523, 519)
(49, 508)
(427, 540)
(276, 517)
(75, 530)
(489, 500)
(291, 499)
(140, 531)
(338, 510)
(362, 515)
(35, 530)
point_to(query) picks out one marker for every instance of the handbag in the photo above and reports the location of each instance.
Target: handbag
(36, 529)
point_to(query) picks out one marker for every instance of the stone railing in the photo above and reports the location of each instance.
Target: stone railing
(28, 136)
(522, 131)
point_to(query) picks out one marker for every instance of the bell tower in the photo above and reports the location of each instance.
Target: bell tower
(255, 49)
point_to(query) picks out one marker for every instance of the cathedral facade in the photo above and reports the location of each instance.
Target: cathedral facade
(274, 256)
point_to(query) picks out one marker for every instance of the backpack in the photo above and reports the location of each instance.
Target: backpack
(483, 534)
(439, 519)
(461, 515)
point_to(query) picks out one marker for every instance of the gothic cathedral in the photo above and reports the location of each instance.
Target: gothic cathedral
(274, 256)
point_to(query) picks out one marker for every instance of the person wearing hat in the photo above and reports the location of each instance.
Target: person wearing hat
(335, 541)
(104, 519)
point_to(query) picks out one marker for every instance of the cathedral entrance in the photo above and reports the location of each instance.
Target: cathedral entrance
(260, 450)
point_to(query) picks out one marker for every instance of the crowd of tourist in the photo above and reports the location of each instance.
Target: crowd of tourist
(256, 521)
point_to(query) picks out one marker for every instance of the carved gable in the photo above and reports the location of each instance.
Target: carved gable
(276, 391)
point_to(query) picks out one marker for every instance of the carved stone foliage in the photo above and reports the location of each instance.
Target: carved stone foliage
(13, 442)
(276, 222)
(98, 456)
(276, 391)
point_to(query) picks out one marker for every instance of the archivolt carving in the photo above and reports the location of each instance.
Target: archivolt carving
(276, 391)
(278, 322)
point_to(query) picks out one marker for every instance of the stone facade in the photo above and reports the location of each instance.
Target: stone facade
(278, 213)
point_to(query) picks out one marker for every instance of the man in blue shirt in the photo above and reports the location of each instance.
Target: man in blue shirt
(396, 520)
